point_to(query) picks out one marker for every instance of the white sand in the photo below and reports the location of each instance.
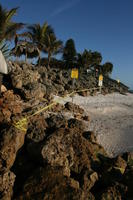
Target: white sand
(111, 119)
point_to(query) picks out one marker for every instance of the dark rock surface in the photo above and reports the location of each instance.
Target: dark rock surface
(38, 81)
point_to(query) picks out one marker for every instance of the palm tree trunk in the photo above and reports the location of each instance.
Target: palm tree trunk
(49, 57)
(1, 77)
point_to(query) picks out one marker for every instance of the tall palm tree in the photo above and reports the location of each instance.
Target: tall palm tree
(52, 46)
(38, 34)
(8, 28)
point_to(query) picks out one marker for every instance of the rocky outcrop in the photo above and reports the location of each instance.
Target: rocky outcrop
(11, 140)
(50, 183)
(23, 74)
(38, 81)
(6, 185)
(53, 157)
(25, 78)
(10, 105)
(69, 164)
(59, 159)
(73, 108)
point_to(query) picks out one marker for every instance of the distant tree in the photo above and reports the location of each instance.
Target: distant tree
(96, 58)
(89, 59)
(79, 60)
(107, 68)
(52, 46)
(69, 53)
(8, 28)
(84, 59)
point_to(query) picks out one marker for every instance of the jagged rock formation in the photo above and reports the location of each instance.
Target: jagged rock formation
(11, 140)
(55, 158)
(32, 81)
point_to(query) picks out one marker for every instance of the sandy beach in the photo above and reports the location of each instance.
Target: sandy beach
(111, 118)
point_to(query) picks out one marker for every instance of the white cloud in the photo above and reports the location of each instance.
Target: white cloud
(64, 8)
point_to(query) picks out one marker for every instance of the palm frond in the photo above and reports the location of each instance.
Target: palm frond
(10, 14)
(8, 28)
(53, 45)
(5, 49)
(12, 29)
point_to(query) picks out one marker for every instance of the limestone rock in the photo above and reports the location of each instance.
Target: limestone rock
(10, 104)
(73, 108)
(3, 88)
(49, 184)
(6, 185)
(37, 129)
(11, 141)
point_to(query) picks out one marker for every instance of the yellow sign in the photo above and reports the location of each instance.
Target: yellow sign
(118, 81)
(101, 77)
(74, 73)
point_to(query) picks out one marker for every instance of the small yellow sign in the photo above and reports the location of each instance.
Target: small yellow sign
(74, 73)
(100, 77)
(118, 81)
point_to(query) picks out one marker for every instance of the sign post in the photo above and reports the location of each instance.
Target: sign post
(74, 76)
(100, 83)
(118, 81)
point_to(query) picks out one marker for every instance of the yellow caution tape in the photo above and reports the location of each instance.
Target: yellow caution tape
(22, 123)
(121, 169)
(43, 109)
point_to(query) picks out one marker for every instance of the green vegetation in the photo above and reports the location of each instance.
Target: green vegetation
(38, 34)
(107, 68)
(8, 28)
(52, 46)
(38, 40)
(69, 53)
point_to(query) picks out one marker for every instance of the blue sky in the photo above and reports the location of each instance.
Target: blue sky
(100, 25)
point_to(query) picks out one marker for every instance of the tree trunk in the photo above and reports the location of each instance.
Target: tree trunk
(49, 57)
(1, 77)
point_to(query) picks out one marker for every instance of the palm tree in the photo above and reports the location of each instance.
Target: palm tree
(52, 46)
(38, 34)
(26, 48)
(7, 27)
